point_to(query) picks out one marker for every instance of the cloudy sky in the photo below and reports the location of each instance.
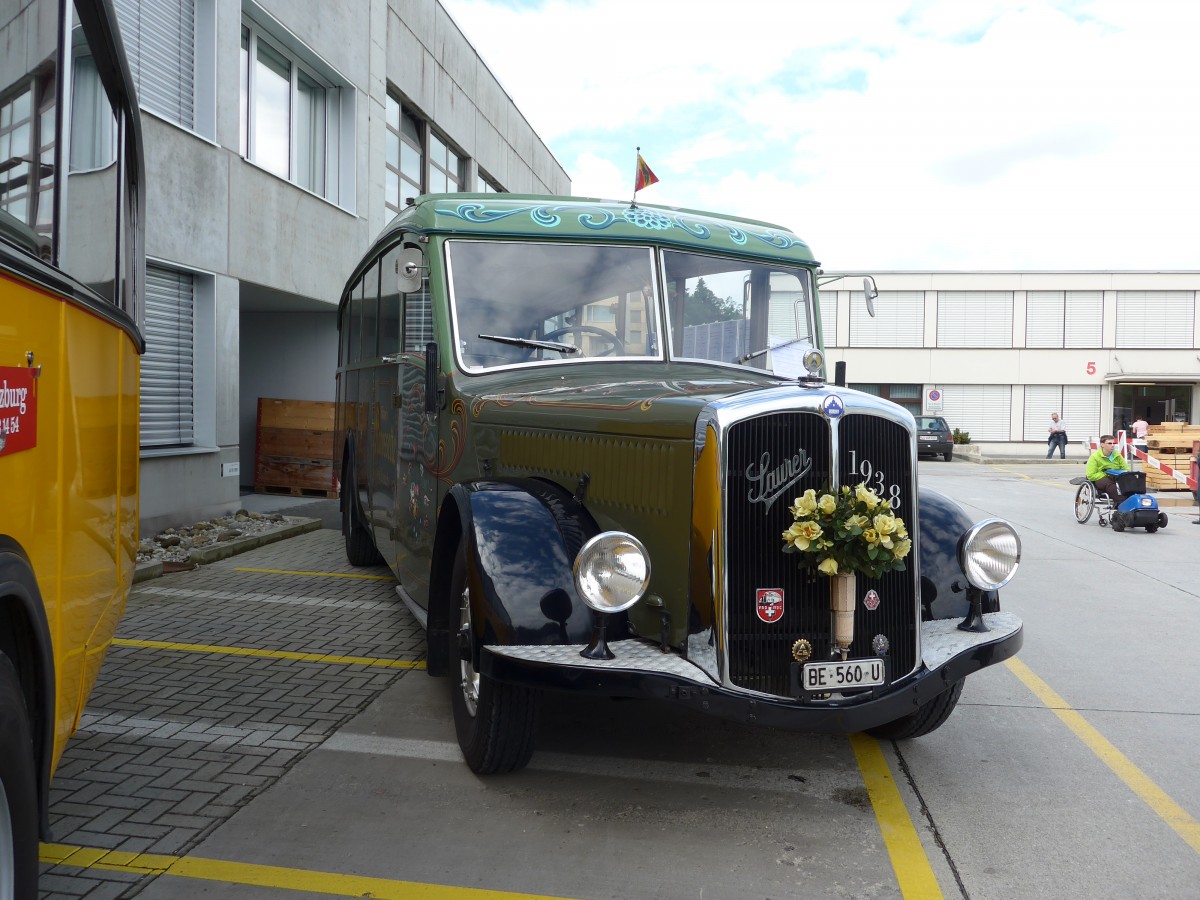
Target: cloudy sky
(889, 134)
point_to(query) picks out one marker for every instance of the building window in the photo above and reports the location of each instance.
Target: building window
(1064, 319)
(486, 184)
(170, 46)
(1158, 319)
(975, 319)
(296, 117)
(417, 160)
(168, 369)
(910, 396)
(899, 320)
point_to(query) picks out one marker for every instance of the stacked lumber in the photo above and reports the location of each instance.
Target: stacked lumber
(293, 451)
(1171, 444)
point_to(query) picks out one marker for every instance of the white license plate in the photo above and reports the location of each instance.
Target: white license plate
(838, 676)
(928, 437)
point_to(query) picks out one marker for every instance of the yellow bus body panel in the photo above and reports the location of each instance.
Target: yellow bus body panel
(71, 501)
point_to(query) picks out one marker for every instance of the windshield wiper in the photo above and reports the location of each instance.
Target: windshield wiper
(526, 342)
(763, 352)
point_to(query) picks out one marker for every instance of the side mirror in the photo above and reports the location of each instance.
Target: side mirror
(410, 269)
(870, 292)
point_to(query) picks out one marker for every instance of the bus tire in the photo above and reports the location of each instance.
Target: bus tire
(495, 723)
(929, 716)
(18, 796)
(360, 546)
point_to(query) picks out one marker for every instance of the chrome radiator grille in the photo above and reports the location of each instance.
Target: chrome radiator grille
(759, 653)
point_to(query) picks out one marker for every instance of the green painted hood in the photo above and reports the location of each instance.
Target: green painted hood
(633, 400)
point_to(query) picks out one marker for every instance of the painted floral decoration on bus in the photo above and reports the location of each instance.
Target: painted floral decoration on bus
(598, 219)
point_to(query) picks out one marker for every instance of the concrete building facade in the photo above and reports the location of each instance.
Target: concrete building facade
(996, 353)
(280, 137)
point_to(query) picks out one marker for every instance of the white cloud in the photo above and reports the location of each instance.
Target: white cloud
(887, 133)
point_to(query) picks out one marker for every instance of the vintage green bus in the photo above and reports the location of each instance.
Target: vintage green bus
(576, 430)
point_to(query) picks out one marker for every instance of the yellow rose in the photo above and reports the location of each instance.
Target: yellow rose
(901, 529)
(885, 541)
(828, 565)
(827, 504)
(871, 536)
(866, 496)
(804, 505)
(885, 524)
(860, 522)
(801, 534)
(902, 548)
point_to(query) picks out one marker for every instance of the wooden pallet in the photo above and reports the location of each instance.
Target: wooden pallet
(293, 451)
(290, 491)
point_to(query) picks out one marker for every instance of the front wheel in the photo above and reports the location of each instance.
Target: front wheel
(1085, 502)
(929, 716)
(495, 723)
(18, 796)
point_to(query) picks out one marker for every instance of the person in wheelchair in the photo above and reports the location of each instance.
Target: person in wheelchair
(1103, 464)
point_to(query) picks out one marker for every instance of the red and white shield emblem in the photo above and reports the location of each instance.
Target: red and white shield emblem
(871, 601)
(769, 605)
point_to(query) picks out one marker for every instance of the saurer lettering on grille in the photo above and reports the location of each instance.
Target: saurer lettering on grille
(769, 482)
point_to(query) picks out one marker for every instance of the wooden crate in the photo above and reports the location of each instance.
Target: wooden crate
(1172, 437)
(293, 451)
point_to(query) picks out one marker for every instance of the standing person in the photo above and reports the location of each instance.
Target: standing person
(1102, 461)
(1140, 427)
(1058, 437)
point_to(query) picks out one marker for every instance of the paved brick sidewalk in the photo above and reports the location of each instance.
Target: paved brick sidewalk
(174, 741)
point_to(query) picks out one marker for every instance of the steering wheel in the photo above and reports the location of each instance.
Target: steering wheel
(616, 348)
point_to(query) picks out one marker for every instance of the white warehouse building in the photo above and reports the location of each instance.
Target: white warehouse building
(995, 353)
(280, 137)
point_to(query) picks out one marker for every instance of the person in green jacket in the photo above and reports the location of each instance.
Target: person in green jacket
(1101, 462)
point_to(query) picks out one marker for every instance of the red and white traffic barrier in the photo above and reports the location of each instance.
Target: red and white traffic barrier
(1126, 449)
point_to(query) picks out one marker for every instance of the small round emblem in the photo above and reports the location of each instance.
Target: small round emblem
(801, 650)
(832, 406)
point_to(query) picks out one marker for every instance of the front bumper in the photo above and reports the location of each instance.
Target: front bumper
(641, 669)
(937, 447)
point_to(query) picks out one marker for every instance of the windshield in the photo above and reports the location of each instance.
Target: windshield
(518, 303)
(735, 312)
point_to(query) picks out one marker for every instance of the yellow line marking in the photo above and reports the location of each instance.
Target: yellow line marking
(272, 654)
(913, 871)
(317, 574)
(277, 877)
(1137, 780)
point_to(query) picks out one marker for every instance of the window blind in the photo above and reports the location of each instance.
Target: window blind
(167, 409)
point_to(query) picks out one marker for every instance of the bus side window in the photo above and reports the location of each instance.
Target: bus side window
(370, 314)
(389, 305)
(354, 323)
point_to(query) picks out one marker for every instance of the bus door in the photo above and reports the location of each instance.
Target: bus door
(413, 484)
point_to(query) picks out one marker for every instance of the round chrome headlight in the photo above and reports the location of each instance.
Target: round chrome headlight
(989, 553)
(612, 571)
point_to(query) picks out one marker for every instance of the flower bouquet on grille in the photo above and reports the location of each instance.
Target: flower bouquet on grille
(842, 533)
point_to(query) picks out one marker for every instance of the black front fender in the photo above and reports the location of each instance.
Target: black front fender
(522, 537)
(943, 582)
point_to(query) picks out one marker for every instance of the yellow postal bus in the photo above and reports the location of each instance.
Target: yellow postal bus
(71, 270)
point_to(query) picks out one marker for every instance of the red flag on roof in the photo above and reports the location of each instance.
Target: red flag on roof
(644, 177)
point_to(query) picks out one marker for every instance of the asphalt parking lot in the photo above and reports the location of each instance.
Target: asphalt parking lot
(255, 734)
